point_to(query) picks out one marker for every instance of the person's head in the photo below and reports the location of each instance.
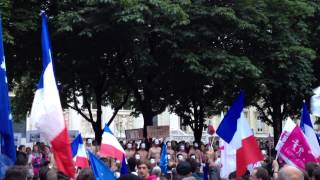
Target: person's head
(28, 150)
(259, 174)
(156, 142)
(169, 144)
(137, 156)
(85, 174)
(232, 176)
(184, 168)
(310, 167)
(192, 156)
(129, 177)
(156, 171)
(129, 146)
(143, 146)
(182, 147)
(143, 169)
(16, 173)
(195, 145)
(132, 162)
(290, 173)
(35, 148)
(180, 157)
(22, 148)
(316, 174)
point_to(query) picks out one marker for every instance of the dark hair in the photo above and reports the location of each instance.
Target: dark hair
(144, 162)
(316, 173)
(85, 174)
(184, 168)
(232, 175)
(132, 162)
(262, 173)
(129, 177)
(16, 173)
(21, 146)
(310, 167)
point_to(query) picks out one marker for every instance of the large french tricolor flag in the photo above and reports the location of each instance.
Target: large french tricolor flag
(307, 128)
(79, 152)
(46, 112)
(235, 131)
(110, 146)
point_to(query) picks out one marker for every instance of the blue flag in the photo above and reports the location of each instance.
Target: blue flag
(6, 131)
(124, 168)
(164, 159)
(99, 169)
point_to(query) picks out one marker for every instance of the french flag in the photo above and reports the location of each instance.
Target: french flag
(307, 128)
(110, 146)
(79, 152)
(46, 112)
(235, 131)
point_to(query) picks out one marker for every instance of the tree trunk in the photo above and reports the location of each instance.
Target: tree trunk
(197, 133)
(98, 128)
(277, 128)
(277, 122)
(147, 121)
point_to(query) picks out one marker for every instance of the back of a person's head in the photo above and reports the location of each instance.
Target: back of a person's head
(61, 176)
(310, 167)
(132, 162)
(262, 173)
(85, 174)
(16, 173)
(232, 175)
(129, 177)
(156, 171)
(184, 168)
(290, 173)
(194, 164)
(316, 173)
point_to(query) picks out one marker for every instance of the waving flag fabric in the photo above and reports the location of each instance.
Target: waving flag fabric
(124, 168)
(164, 159)
(110, 146)
(8, 150)
(46, 112)
(295, 149)
(79, 152)
(307, 128)
(99, 169)
(227, 156)
(234, 130)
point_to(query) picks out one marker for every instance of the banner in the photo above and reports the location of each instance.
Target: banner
(295, 149)
(158, 131)
(33, 136)
(134, 134)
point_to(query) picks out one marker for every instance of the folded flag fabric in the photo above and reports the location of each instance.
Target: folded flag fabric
(307, 128)
(235, 131)
(99, 169)
(79, 152)
(46, 112)
(110, 146)
(6, 131)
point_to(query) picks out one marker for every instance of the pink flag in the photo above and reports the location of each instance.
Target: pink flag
(295, 149)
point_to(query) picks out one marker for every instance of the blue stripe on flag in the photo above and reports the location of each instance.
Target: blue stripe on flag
(228, 125)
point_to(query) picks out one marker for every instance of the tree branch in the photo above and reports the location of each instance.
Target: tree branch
(116, 110)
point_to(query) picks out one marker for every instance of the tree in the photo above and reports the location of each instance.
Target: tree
(278, 44)
(208, 71)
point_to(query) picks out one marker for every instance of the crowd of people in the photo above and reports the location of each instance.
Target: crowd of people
(186, 161)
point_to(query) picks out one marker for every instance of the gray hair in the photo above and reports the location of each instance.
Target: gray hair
(290, 172)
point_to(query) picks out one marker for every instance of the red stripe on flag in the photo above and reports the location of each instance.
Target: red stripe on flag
(110, 151)
(249, 153)
(82, 162)
(61, 149)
